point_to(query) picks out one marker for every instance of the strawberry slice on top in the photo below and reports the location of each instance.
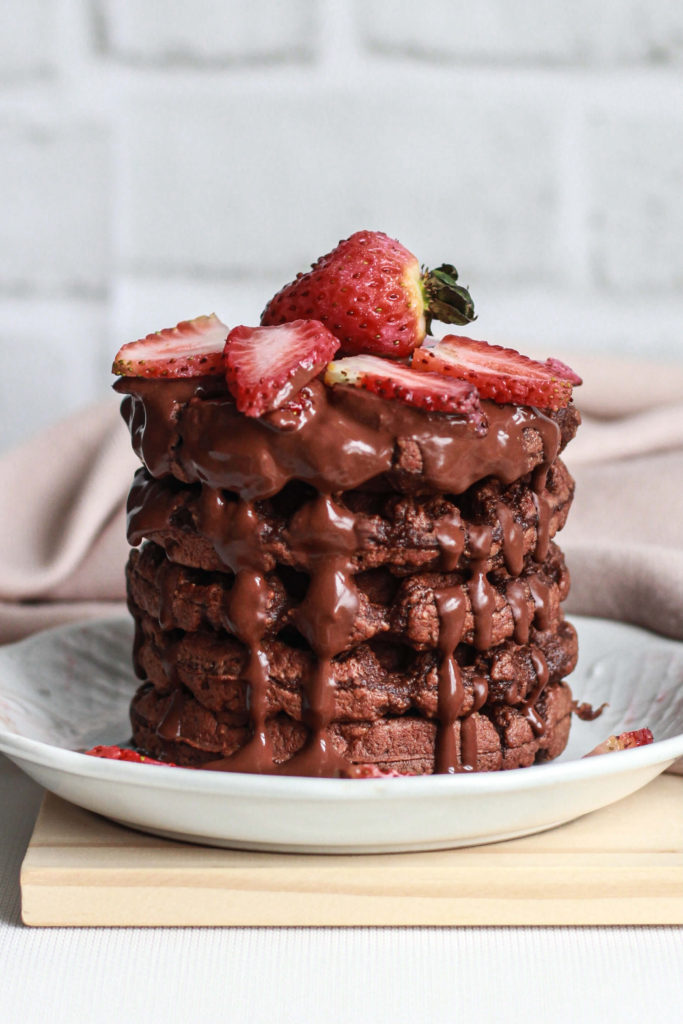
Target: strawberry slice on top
(390, 379)
(501, 374)
(194, 348)
(265, 366)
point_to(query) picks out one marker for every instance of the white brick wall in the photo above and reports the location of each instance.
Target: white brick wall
(293, 178)
(26, 40)
(56, 189)
(162, 159)
(526, 31)
(207, 32)
(635, 187)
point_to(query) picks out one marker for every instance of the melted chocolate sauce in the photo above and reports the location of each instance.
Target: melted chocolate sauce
(450, 535)
(245, 615)
(235, 530)
(169, 726)
(529, 707)
(325, 533)
(336, 440)
(513, 540)
(468, 726)
(543, 511)
(586, 712)
(541, 593)
(149, 509)
(340, 439)
(468, 743)
(519, 605)
(543, 527)
(452, 608)
(482, 594)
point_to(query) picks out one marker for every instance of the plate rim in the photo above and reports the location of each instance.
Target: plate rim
(415, 787)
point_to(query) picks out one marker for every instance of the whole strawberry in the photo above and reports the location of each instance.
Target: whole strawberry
(370, 293)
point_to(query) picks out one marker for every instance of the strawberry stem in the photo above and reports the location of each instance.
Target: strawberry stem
(445, 299)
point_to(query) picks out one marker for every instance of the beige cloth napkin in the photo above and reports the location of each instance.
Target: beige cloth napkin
(624, 537)
(62, 523)
(62, 529)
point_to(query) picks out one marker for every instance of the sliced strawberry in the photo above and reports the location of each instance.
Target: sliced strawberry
(192, 349)
(114, 753)
(500, 373)
(624, 741)
(390, 379)
(266, 366)
(562, 370)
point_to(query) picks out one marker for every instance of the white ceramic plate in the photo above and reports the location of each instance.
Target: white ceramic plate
(69, 688)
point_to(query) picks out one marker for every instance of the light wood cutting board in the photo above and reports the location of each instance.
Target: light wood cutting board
(620, 865)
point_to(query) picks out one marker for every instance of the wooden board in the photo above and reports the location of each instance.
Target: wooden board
(620, 865)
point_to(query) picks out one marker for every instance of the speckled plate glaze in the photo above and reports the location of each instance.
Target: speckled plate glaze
(69, 688)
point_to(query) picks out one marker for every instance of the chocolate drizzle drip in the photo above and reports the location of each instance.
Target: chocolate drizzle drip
(543, 535)
(513, 540)
(529, 706)
(325, 532)
(482, 594)
(234, 528)
(540, 592)
(586, 712)
(169, 726)
(468, 727)
(450, 535)
(451, 605)
(246, 617)
(540, 477)
(517, 599)
(334, 441)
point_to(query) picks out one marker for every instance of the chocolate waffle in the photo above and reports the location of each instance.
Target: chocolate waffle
(346, 582)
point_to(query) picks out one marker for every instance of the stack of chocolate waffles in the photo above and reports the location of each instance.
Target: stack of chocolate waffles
(346, 584)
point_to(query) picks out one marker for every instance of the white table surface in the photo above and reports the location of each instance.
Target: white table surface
(326, 975)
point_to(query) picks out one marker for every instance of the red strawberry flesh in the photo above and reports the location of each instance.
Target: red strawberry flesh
(114, 753)
(561, 369)
(428, 391)
(193, 348)
(501, 374)
(371, 771)
(266, 366)
(624, 741)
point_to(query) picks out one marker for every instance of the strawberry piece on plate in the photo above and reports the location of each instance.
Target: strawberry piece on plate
(429, 391)
(501, 374)
(624, 741)
(194, 348)
(266, 366)
(114, 753)
(371, 771)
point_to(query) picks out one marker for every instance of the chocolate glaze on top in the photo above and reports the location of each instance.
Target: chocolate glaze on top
(336, 440)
